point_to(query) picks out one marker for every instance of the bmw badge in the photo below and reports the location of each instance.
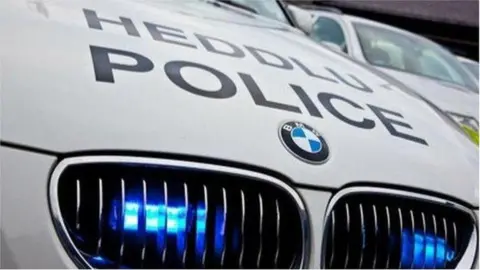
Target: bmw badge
(304, 142)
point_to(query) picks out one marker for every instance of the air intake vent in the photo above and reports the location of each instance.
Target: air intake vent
(146, 213)
(369, 229)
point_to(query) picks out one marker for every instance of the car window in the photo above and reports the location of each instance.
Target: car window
(409, 53)
(267, 8)
(472, 67)
(328, 30)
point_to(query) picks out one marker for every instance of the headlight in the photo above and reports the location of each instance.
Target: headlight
(472, 133)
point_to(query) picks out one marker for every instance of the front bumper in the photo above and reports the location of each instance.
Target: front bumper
(29, 239)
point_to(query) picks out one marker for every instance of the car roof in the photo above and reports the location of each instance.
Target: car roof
(464, 59)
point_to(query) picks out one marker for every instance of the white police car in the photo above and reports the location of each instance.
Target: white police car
(417, 62)
(197, 134)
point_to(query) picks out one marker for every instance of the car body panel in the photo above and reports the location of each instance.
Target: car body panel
(60, 106)
(434, 90)
(28, 237)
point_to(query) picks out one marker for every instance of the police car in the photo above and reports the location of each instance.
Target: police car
(198, 134)
(419, 63)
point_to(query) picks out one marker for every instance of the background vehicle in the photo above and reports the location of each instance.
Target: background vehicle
(190, 134)
(419, 63)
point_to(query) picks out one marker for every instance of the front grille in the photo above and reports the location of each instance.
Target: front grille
(153, 214)
(387, 230)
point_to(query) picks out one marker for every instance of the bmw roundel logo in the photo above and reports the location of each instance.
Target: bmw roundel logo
(304, 142)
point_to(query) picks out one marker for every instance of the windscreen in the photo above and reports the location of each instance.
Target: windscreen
(409, 53)
(472, 67)
(267, 8)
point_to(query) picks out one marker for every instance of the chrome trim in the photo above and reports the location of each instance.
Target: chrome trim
(376, 236)
(165, 202)
(100, 214)
(434, 219)
(242, 229)
(362, 232)
(400, 219)
(79, 201)
(260, 230)
(184, 255)
(445, 228)
(470, 254)
(388, 233)
(332, 256)
(205, 193)
(277, 228)
(144, 205)
(424, 226)
(224, 225)
(347, 213)
(455, 237)
(122, 220)
(74, 253)
(412, 217)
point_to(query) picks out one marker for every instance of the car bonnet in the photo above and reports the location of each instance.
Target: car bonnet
(154, 77)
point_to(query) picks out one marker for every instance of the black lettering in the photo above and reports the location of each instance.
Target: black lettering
(326, 100)
(103, 67)
(206, 42)
(362, 87)
(260, 99)
(94, 22)
(388, 123)
(173, 70)
(311, 108)
(257, 53)
(309, 72)
(158, 33)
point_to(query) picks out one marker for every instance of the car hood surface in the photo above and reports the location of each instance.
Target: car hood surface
(451, 98)
(55, 98)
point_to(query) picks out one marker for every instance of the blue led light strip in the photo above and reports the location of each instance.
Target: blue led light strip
(424, 250)
(166, 222)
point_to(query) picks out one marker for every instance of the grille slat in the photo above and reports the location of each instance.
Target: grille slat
(387, 212)
(445, 229)
(277, 248)
(332, 255)
(424, 240)
(143, 220)
(347, 212)
(145, 216)
(122, 220)
(224, 227)
(412, 219)
(362, 233)
(408, 234)
(184, 255)
(204, 253)
(434, 220)
(375, 218)
(78, 200)
(165, 239)
(260, 229)
(100, 215)
(400, 234)
(242, 229)
(455, 238)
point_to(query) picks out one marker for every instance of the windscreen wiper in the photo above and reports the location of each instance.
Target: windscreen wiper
(238, 5)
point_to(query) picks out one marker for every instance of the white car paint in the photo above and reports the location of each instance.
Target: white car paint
(52, 105)
(454, 99)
